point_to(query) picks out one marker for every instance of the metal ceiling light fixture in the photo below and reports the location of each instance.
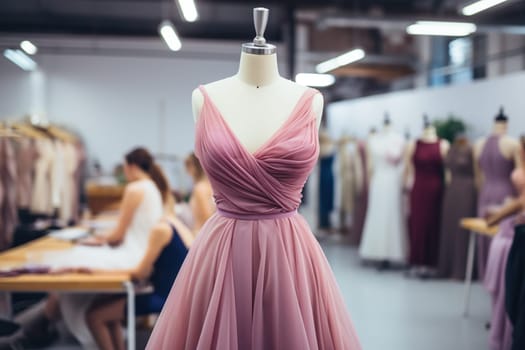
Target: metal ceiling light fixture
(441, 28)
(188, 9)
(339, 61)
(479, 6)
(19, 58)
(28, 47)
(169, 34)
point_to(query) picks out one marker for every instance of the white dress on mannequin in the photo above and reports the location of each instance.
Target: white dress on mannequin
(384, 234)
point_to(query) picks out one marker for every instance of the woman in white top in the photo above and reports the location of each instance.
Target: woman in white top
(122, 247)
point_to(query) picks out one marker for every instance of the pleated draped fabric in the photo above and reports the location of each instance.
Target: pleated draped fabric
(255, 277)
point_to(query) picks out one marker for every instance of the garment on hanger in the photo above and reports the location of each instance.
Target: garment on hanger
(496, 187)
(41, 198)
(459, 202)
(500, 333)
(8, 202)
(68, 186)
(345, 187)
(494, 281)
(425, 204)
(256, 278)
(26, 155)
(326, 190)
(361, 197)
(515, 287)
(384, 234)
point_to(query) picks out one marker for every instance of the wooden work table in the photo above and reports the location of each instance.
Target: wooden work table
(69, 283)
(475, 226)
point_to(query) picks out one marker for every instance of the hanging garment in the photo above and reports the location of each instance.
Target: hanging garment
(500, 335)
(68, 191)
(8, 203)
(326, 190)
(26, 155)
(125, 256)
(41, 200)
(515, 287)
(384, 234)
(255, 277)
(345, 184)
(361, 197)
(494, 281)
(425, 204)
(459, 202)
(496, 187)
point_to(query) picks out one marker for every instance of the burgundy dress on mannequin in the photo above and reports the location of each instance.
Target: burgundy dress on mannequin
(497, 186)
(425, 204)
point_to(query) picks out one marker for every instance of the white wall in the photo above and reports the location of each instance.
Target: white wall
(117, 103)
(476, 103)
(14, 90)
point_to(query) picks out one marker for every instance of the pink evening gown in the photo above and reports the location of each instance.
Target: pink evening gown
(256, 278)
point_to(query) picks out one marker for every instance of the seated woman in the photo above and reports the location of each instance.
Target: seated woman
(168, 245)
(121, 248)
(201, 200)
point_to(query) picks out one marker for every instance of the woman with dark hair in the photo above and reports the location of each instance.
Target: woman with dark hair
(201, 200)
(124, 246)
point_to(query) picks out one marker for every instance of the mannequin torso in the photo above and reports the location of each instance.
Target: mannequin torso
(508, 146)
(429, 135)
(256, 101)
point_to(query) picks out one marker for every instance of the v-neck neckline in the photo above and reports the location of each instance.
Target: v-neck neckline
(265, 144)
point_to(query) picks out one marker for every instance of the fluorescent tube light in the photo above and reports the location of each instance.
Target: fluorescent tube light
(339, 61)
(189, 10)
(316, 80)
(168, 33)
(20, 59)
(478, 6)
(28, 47)
(441, 28)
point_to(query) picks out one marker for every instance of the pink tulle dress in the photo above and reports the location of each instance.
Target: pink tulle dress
(255, 277)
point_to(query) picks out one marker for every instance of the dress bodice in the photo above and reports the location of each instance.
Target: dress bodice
(268, 181)
(386, 149)
(428, 161)
(495, 167)
(459, 161)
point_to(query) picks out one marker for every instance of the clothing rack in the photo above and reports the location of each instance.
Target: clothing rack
(42, 165)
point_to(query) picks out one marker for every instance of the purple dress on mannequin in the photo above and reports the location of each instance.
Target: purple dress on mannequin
(255, 277)
(500, 325)
(496, 187)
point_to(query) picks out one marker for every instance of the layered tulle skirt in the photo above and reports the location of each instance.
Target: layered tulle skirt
(255, 284)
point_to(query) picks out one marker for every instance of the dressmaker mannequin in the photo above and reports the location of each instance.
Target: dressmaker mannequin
(424, 174)
(496, 156)
(387, 128)
(257, 100)
(508, 146)
(429, 135)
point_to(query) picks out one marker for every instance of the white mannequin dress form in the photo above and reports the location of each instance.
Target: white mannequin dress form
(227, 294)
(256, 101)
(384, 234)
